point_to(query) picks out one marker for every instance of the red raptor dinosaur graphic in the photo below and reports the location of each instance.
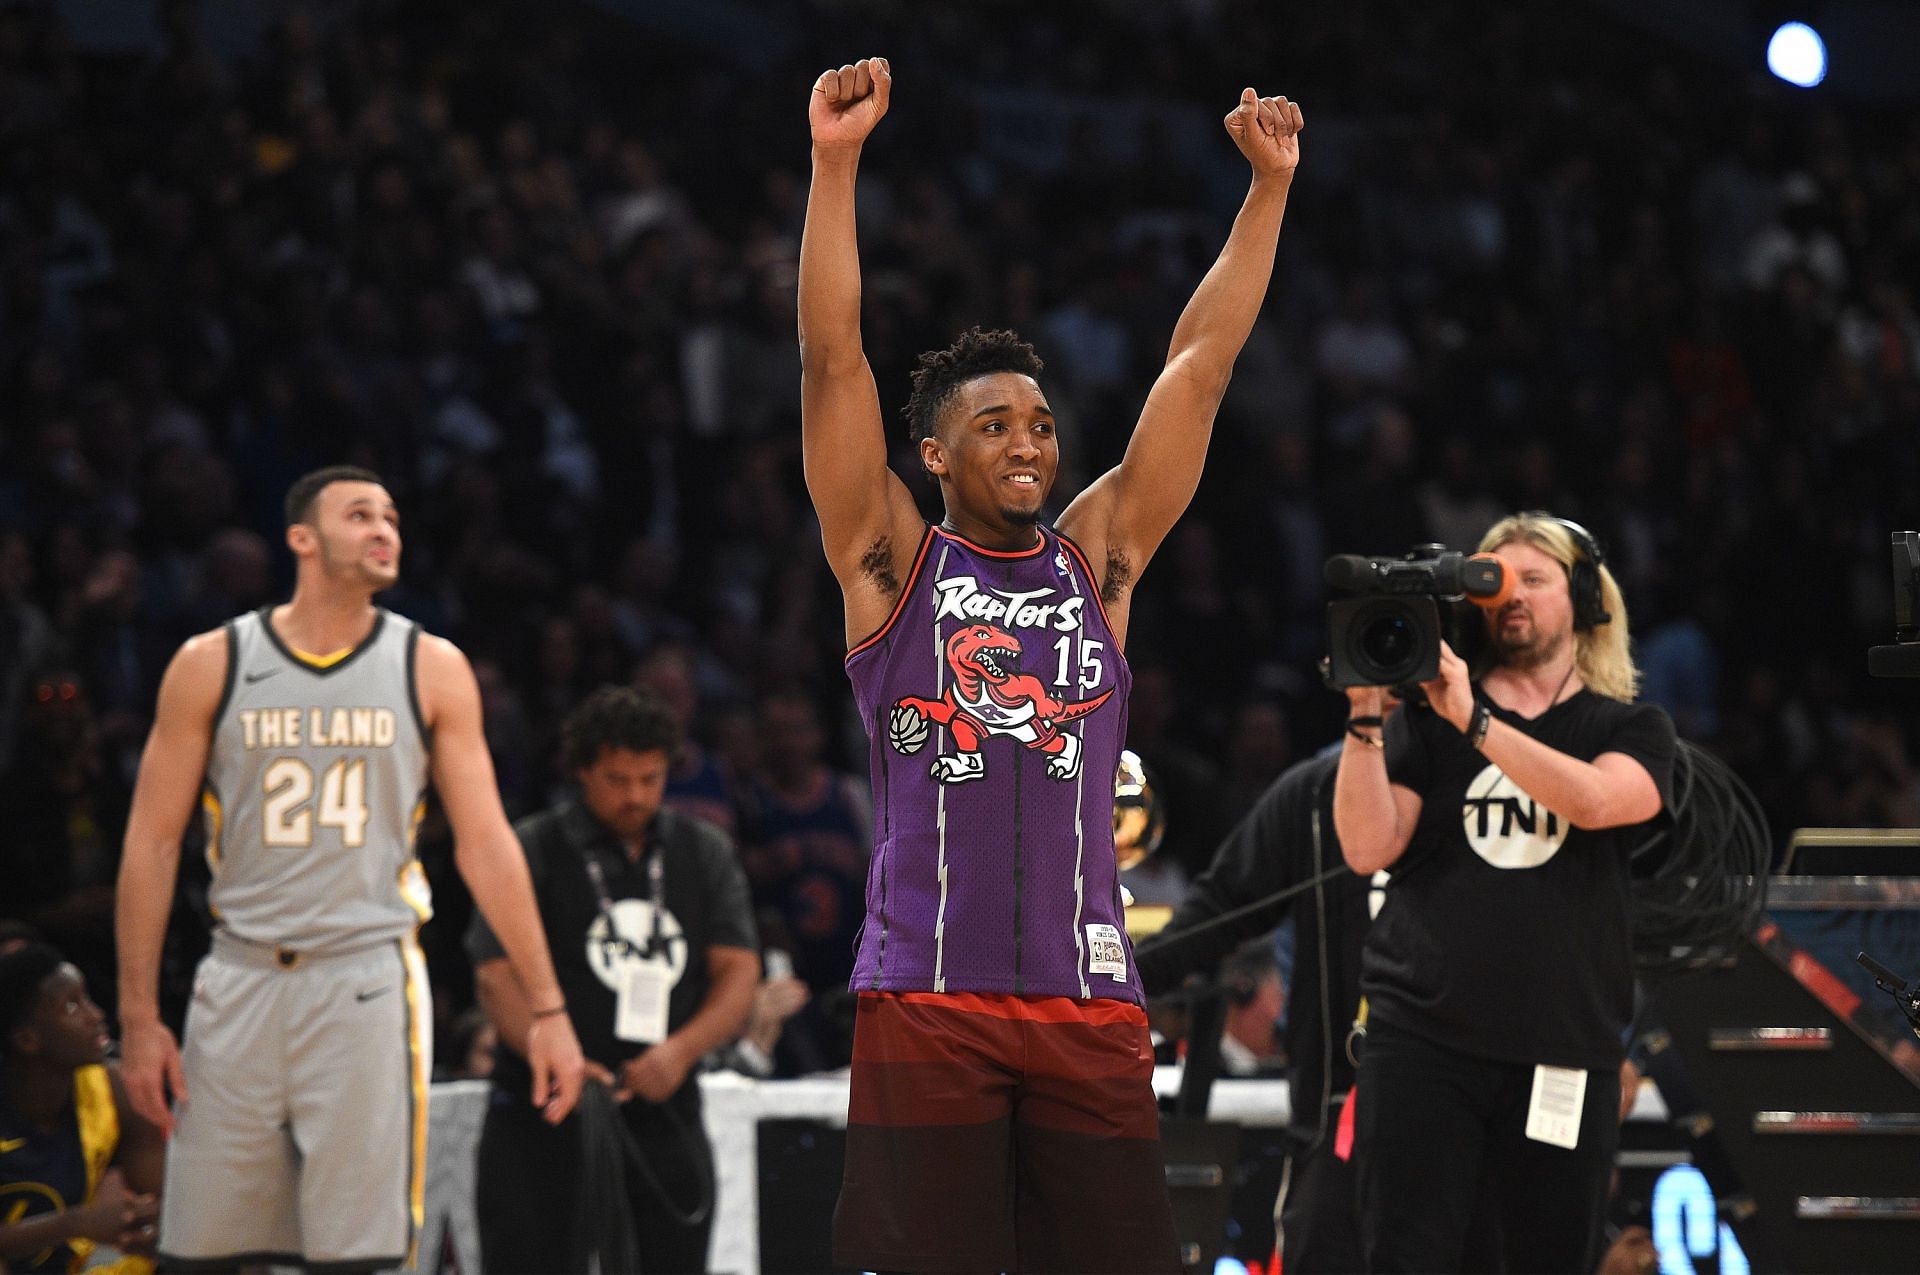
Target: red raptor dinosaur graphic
(986, 699)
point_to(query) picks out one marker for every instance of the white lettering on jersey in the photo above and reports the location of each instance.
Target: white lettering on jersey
(965, 598)
(276, 728)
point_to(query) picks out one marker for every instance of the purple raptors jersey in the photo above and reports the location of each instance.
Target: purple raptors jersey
(996, 701)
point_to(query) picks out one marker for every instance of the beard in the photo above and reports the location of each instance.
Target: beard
(629, 824)
(1021, 517)
(1530, 651)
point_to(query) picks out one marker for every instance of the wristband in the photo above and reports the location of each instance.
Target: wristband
(1371, 741)
(1478, 725)
(555, 1012)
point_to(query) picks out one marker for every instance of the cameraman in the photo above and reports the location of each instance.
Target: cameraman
(1499, 975)
(1287, 840)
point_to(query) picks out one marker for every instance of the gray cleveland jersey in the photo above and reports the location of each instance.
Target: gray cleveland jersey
(315, 783)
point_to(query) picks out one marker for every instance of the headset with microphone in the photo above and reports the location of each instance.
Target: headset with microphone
(1583, 574)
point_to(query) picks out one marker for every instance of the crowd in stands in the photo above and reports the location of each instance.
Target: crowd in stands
(535, 265)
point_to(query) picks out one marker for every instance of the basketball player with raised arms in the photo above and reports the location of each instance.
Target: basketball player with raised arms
(1001, 1115)
(307, 734)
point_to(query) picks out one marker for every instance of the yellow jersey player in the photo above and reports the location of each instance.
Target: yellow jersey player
(78, 1167)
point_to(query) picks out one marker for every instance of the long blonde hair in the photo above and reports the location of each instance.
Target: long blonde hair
(1601, 654)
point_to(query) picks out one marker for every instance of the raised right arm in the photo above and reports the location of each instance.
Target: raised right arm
(172, 769)
(869, 524)
(1373, 816)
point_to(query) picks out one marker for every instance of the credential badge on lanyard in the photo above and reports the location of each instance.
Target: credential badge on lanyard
(642, 985)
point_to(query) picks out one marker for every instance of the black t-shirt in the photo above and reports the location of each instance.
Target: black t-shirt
(1505, 932)
(1272, 848)
(705, 893)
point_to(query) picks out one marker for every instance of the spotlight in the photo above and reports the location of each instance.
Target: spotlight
(1797, 55)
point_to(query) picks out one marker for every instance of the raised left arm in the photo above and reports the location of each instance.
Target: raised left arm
(1122, 517)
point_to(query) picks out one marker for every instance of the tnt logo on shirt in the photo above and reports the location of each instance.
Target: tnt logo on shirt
(613, 951)
(1508, 828)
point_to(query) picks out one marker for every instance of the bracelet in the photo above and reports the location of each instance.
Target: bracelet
(1371, 741)
(1478, 725)
(555, 1012)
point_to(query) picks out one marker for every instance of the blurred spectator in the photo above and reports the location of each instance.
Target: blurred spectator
(470, 1046)
(1796, 239)
(27, 641)
(1255, 997)
(1360, 350)
(813, 833)
(1258, 747)
(699, 785)
(806, 858)
(775, 1001)
(63, 814)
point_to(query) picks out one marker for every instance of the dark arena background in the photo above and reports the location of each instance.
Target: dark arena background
(535, 264)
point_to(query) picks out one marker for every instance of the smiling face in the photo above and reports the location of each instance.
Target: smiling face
(1537, 620)
(995, 451)
(352, 535)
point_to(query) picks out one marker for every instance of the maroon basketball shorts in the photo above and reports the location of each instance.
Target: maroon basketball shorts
(1002, 1133)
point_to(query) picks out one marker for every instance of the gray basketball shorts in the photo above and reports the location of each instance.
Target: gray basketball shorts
(303, 1138)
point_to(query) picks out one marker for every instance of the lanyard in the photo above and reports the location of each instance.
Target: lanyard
(657, 894)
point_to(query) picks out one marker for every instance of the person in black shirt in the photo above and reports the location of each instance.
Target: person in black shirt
(1285, 840)
(654, 944)
(1498, 974)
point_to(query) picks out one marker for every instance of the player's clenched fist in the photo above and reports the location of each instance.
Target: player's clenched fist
(1267, 131)
(847, 103)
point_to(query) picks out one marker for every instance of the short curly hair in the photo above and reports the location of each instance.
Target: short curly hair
(941, 372)
(620, 717)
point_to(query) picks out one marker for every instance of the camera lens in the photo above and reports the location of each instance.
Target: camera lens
(1387, 641)
(1382, 641)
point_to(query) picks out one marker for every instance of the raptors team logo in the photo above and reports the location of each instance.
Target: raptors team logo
(1508, 828)
(988, 698)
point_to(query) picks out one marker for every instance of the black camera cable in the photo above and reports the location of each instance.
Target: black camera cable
(1163, 941)
(602, 1221)
(1700, 882)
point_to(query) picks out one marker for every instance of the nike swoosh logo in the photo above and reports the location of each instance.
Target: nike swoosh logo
(11, 1144)
(261, 677)
(367, 996)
